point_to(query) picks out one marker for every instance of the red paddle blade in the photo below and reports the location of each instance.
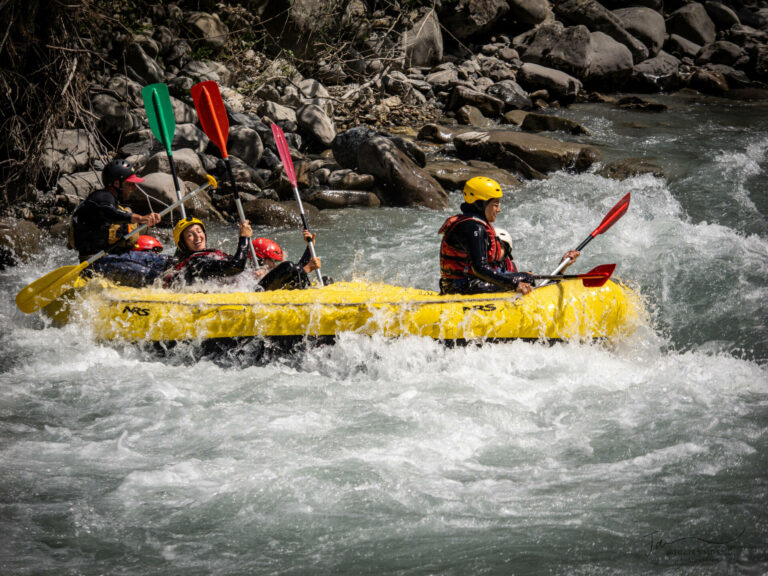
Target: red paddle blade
(212, 114)
(285, 154)
(597, 276)
(612, 216)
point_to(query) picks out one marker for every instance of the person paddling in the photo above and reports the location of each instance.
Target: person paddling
(280, 274)
(471, 255)
(197, 262)
(100, 222)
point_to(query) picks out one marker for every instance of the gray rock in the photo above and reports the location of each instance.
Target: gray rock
(404, 183)
(346, 144)
(722, 52)
(437, 133)
(78, 185)
(708, 81)
(114, 117)
(488, 104)
(610, 62)
(466, 18)
(423, 44)
(496, 69)
(410, 149)
(201, 71)
(597, 18)
(681, 47)
(722, 16)
(209, 28)
(265, 212)
(511, 93)
(531, 12)
(540, 153)
(187, 162)
(190, 136)
(444, 78)
(277, 112)
(140, 67)
(473, 117)
(453, 174)
(68, 151)
(631, 167)
(693, 23)
(646, 25)
(547, 122)
(329, 199)
(658, 74)
(129, 90)
(563, 86)
(564, 49)
(19, 239)
(246, 144)
(158, 192)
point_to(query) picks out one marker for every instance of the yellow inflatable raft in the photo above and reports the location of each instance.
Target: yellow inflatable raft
(559, 311)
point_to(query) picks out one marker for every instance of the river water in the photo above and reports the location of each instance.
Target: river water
(645, 456)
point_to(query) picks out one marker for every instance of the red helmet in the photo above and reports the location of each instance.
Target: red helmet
(147, 243)
(266, 248)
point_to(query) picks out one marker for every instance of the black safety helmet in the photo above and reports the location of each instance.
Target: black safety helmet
(119, 170)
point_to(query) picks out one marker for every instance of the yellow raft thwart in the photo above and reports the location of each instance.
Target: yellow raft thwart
(564, 310)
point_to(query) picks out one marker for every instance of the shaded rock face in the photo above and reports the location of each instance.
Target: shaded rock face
(561, 85)
(327, 199)
(658, 74)
(19, 239)
(693, 23)
(265, 212)
(404, 183)
(69, 151)
(346, 144)
(187, 163)
(467, 18)
(644, 24)
(423, 44)
(453, 175)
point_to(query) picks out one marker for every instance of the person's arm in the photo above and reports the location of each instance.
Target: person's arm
(476, 239)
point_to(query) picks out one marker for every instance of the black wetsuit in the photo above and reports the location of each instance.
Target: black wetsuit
(208, 264)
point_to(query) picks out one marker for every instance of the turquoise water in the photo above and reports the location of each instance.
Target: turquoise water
(647, 456)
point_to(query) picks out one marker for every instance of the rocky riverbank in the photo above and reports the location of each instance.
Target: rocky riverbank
(383, 103)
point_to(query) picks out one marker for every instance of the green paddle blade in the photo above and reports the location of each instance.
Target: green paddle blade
(157, 103)
(45, 290)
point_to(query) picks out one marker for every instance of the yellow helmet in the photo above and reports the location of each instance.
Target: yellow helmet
(481, 188)
(182, 225)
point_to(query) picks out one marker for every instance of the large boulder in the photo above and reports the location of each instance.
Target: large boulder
(326, 199)
(463, 96)
(646, 25)
(158, 191)
(423, 44)
(658, 74)
(453, 174)
(609, 63)
(245, 143)
(140, 67)
(511, 93)
(403, 182)
(200, 71)
(530, 12)
(68, 151)
(723, 17)
(266, 212)
(79, 185)
(558, 48)
(534, 77)
(693, 23)
(190, 136)
(681, 47)
(114, 117)
(346, 144)
(208, 28)
(186, 161)
(315, 126)
(19, 239)
(597, 18)
(722, 52)
(550, 123)
(466, 18)
(540, 153)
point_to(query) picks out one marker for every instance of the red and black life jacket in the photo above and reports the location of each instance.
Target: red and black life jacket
(455, 263)
(178, 269)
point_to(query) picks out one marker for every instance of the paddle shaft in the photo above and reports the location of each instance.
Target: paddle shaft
(285, 156)
(167, 140)
(239, 204)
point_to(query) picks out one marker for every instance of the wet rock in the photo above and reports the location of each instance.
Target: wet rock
(404, 183)
(410, 149)
(693, 23)
(19, 239)
(208, 28)
(563, 86)
(515, 117)
(187, 162)
(646, 25)
(631, 167)
(423, 44)
(329, 199)
(508, 149)
(597, 18)
(453, 174)
(511, 93)
(658, 74)
(473, 117)
(315, 125)
(346, 144)
(437, 133)
(68, 151)
(546, 122)
(635, 103)
(708, 81)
